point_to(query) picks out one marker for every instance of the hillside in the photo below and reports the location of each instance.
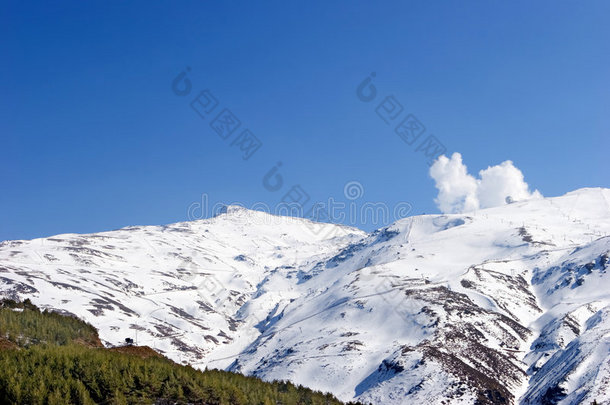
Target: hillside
(57, 359)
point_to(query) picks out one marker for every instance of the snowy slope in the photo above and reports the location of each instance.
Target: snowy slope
(179, 288)
(504, 305)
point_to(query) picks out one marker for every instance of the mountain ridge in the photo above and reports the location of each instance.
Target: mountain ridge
(426, 309)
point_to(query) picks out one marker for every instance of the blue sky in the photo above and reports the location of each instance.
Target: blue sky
(94, 138)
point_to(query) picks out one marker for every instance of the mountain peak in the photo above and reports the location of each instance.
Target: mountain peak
(234, 209)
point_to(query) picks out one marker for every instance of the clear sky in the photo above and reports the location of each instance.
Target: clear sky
(94, 138)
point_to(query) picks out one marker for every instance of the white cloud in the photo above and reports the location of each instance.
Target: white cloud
(456, 188)
(459, 191)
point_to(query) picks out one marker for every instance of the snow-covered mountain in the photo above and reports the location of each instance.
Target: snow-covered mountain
(504, 305)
